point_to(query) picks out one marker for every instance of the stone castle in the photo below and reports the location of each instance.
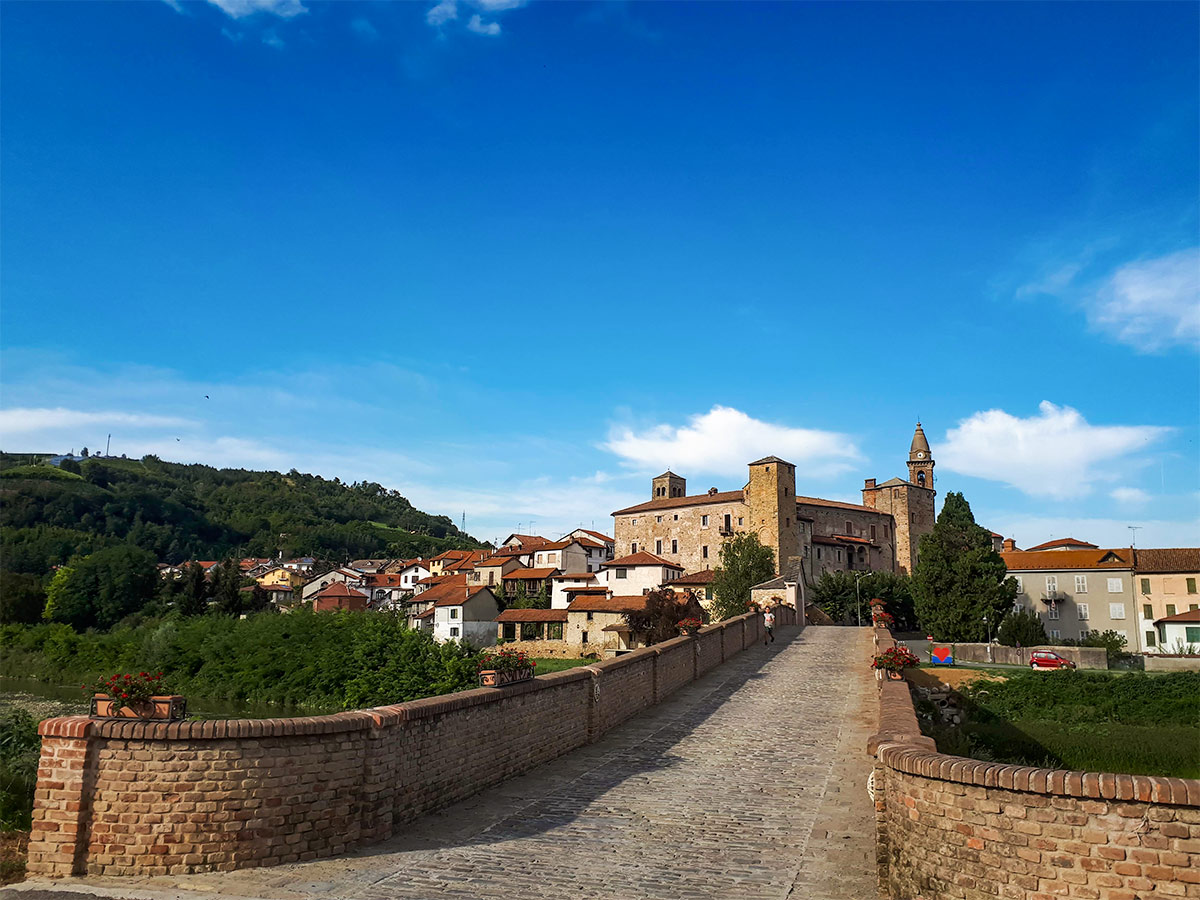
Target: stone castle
(809, 535)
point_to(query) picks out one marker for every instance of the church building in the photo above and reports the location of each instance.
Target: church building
(806, 533)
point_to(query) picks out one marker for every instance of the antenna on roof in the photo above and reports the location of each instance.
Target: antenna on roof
(1133, 529)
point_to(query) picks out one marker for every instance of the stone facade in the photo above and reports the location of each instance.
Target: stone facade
(136, 797)
(910, 503)
(952, 827)
(771, 510)
(690, 533)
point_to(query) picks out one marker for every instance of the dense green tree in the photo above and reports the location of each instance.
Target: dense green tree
(22, 598)
(520, 599)
(103, 587)
(542, 600)
(1022, 628)
(665, 609)
(959, 578)
(193, 599)
(745, 562)
(835, 594)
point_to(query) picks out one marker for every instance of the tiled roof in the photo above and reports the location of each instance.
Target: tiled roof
(588, 603)
(1061, 543)
(457, 595)
(704, 576)
(851, 539)
(576, 576)
(532, 615)
(837, 504)
(382, 579)
(770, 459)
(891, 482)
(452, 554)
(588, 589)
(1026, 560)
(528, 540)
(1173, 559)
(1192, 615)
(493, 561)
(826, 539)
(424, 615)
(674, 502)
(529, 574)
(642, 558)
(442, 586)
(339, 589)
(604, 538)
(590, 544)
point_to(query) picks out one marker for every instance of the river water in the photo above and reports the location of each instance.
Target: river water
(44, 700)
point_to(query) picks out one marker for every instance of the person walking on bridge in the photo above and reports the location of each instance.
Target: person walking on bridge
(769, 626)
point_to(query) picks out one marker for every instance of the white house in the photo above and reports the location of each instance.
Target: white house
(639, 573)
(466, 614)
(1178, 631)
(411, 573)
(563, 586)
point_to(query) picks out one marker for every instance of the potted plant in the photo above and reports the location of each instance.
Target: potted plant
(140, 696)
(503, 666)
(882, 619)
(894, 661)
(690, 625)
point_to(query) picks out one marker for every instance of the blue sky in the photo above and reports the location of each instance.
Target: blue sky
(514, 259)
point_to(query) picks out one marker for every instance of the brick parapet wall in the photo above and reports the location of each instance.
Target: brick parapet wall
(952, 827)
(126, 797)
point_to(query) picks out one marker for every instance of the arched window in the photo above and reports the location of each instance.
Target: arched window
(921, 479)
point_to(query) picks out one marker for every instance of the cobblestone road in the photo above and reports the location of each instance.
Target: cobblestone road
(750, 783)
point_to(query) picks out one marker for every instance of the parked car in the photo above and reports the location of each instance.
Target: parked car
(1048, 659)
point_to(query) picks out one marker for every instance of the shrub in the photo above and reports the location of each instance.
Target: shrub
(1023, 628)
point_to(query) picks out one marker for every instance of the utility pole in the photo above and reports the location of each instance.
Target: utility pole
(107, 444)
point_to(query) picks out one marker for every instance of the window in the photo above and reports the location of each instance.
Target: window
(1147, 611)
(621, 573)
(741, 521)
(1083, 611)
(849, 527)
(1020, 584)
(1149, 638)
(818, 553)
(1145, 585)
(510, 631)
(1191, 585)
(1081, 584)
(632, 549)
(704, 552)
(1170, 609)
(1083, 633)
(839, 555)
(658, 518)
(1116, 610)
(1191, 635)
(454, 612)
(872, 532)
(887, 532)
(583, 637)
(554, 631)
(633, 521)
(658, 546)
(590, 615)
(531, 631)
(675, 517)
(453, 632)
(1055, 634)
(704, 521)
(1051, 585)
(674, 546)
(1193, 607)
(1052, 615)
(787, 523)
(1115, 586)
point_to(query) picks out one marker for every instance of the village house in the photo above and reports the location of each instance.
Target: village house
(1166, 584)
(491, 571)
(351, 577)
(565, 585)
(639, 573)
(410, 572)
(700, 583)
(541, 632)
(530, 582)
(419, 608)
(252, 567)
(1179, 634)
(462, 613)
(607, 544)
(304, 565)
(384, 590)
(566, 556)
(279, 595)
(438, 563)
(339, 595)
(370, 566)
(278, 576)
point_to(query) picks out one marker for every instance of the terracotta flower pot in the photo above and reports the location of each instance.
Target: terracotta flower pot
(895, 676)
(163, 706)
(495, 678)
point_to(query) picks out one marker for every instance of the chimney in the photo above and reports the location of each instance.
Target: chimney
(870, 483)
(1009, 545)
(711, 491)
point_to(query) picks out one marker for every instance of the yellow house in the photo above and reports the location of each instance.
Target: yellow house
(280, 577)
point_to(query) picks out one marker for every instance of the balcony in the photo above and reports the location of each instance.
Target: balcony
(1049, 597)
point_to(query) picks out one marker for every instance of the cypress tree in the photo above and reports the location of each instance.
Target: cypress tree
(959, 578)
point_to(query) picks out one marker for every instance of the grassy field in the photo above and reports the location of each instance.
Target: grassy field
(546, 666)
(1098, 721)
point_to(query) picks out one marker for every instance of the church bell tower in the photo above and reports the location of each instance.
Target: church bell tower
(920, 460)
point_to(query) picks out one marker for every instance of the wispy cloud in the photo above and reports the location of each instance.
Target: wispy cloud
(271, 39)
(1054, 454)
(1152, 304)
(723, 440)
(240, 9)
(1130, 496)
(498, 5)
(444, 12)
(20, 423)
(478, 26)
(364, 29)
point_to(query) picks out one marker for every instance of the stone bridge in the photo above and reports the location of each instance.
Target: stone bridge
(747, 781)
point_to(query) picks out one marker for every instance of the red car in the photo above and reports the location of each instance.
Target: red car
(1047, 659)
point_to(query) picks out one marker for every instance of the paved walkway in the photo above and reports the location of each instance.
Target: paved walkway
(750, 783)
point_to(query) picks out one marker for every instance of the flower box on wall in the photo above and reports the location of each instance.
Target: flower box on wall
(499, 678)
(165, 706)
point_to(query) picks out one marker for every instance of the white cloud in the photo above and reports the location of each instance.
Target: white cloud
(271, 39)
(498, 5)
(1152, 304)
(1054, 454)
(1130, 496)
(478, 26)
(723, 440)
(240, 9)
(442, 13)
(21, 423)
(1029, 531)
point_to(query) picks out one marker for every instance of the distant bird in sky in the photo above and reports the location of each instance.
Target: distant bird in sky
(176, 438)
(206, 396)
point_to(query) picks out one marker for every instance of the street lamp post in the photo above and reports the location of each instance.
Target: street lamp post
(858, 596)
(989, 634)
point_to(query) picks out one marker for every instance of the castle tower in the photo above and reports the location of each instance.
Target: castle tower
(771, 507)
(911, 503)
(668, 484)
(920, 460)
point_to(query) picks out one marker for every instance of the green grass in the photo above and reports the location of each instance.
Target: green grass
(546, 666)
(1097, 721)
(49, 473)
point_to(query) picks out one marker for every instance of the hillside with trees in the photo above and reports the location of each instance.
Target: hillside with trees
(50, 516)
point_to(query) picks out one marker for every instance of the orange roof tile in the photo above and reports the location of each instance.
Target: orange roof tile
(588, 603)
(673, 502)
(642, 558)
(1025, 560)
(1064, 543)
(529, 574)
(1171, 559)
(532, 615)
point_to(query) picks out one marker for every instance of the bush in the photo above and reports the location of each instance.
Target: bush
(1022, 629)
(19, 750)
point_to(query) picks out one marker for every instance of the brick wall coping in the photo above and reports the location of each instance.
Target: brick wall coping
(900, 745)
(352, 720)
